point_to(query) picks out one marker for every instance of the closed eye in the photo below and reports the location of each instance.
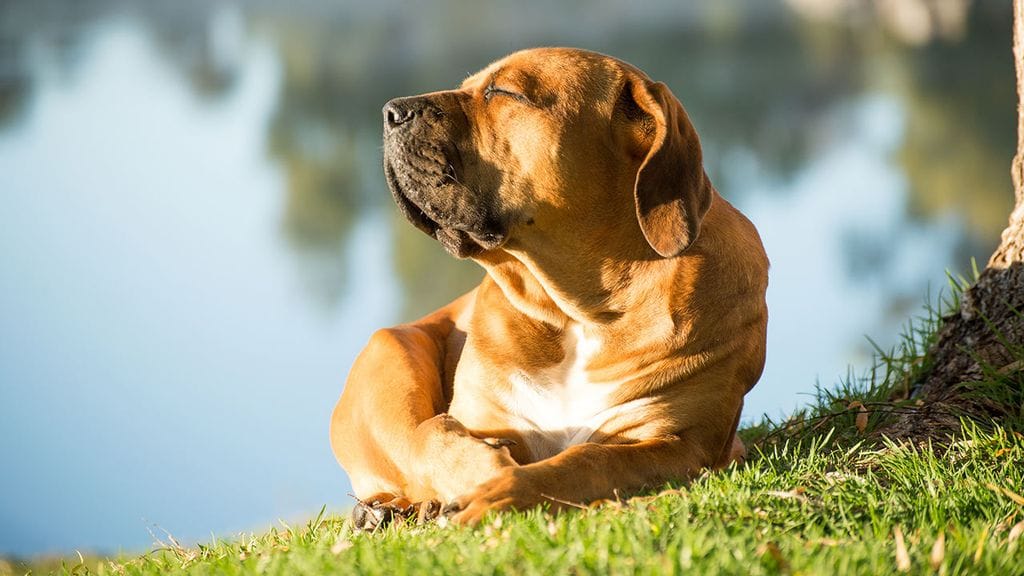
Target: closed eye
(493, 90)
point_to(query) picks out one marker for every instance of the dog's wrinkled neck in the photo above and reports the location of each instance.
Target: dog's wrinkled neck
(568, 276)
(595, 291)
(522, 288)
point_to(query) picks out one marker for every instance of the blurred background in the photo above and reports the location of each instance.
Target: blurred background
(196, 238)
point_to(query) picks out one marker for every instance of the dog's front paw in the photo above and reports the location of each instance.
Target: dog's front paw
(379, 511)
(511, 489)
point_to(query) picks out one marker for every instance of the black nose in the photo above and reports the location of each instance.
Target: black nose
(399, 111)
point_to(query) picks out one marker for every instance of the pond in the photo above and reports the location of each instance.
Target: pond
(196, 238)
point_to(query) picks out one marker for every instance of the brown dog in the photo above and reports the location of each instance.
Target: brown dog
(622, 318)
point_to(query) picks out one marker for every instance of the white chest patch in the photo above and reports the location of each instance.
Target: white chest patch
(560, 405)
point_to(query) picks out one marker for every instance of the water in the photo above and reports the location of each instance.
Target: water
(196, 239)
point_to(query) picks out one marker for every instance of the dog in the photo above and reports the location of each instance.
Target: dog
(621, 321)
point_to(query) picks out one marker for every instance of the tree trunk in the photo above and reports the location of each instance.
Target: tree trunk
(1011, 249)
(975, 342)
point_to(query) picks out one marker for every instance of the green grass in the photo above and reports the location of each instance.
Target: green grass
(819, 494)
(813, 507)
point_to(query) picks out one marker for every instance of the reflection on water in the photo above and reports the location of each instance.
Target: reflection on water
(196, 237)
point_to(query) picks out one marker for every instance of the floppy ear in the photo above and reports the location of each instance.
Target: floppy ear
(672, 191)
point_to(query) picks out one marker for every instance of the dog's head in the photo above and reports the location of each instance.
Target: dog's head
(543, 146)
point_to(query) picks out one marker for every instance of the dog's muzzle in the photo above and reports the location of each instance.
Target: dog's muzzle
(422, 165)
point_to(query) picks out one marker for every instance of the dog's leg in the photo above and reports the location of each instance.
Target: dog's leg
(588, 472)
(450, 461)
(389, 430)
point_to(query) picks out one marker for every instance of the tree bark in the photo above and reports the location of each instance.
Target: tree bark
(1011, 249)
(976, 341)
